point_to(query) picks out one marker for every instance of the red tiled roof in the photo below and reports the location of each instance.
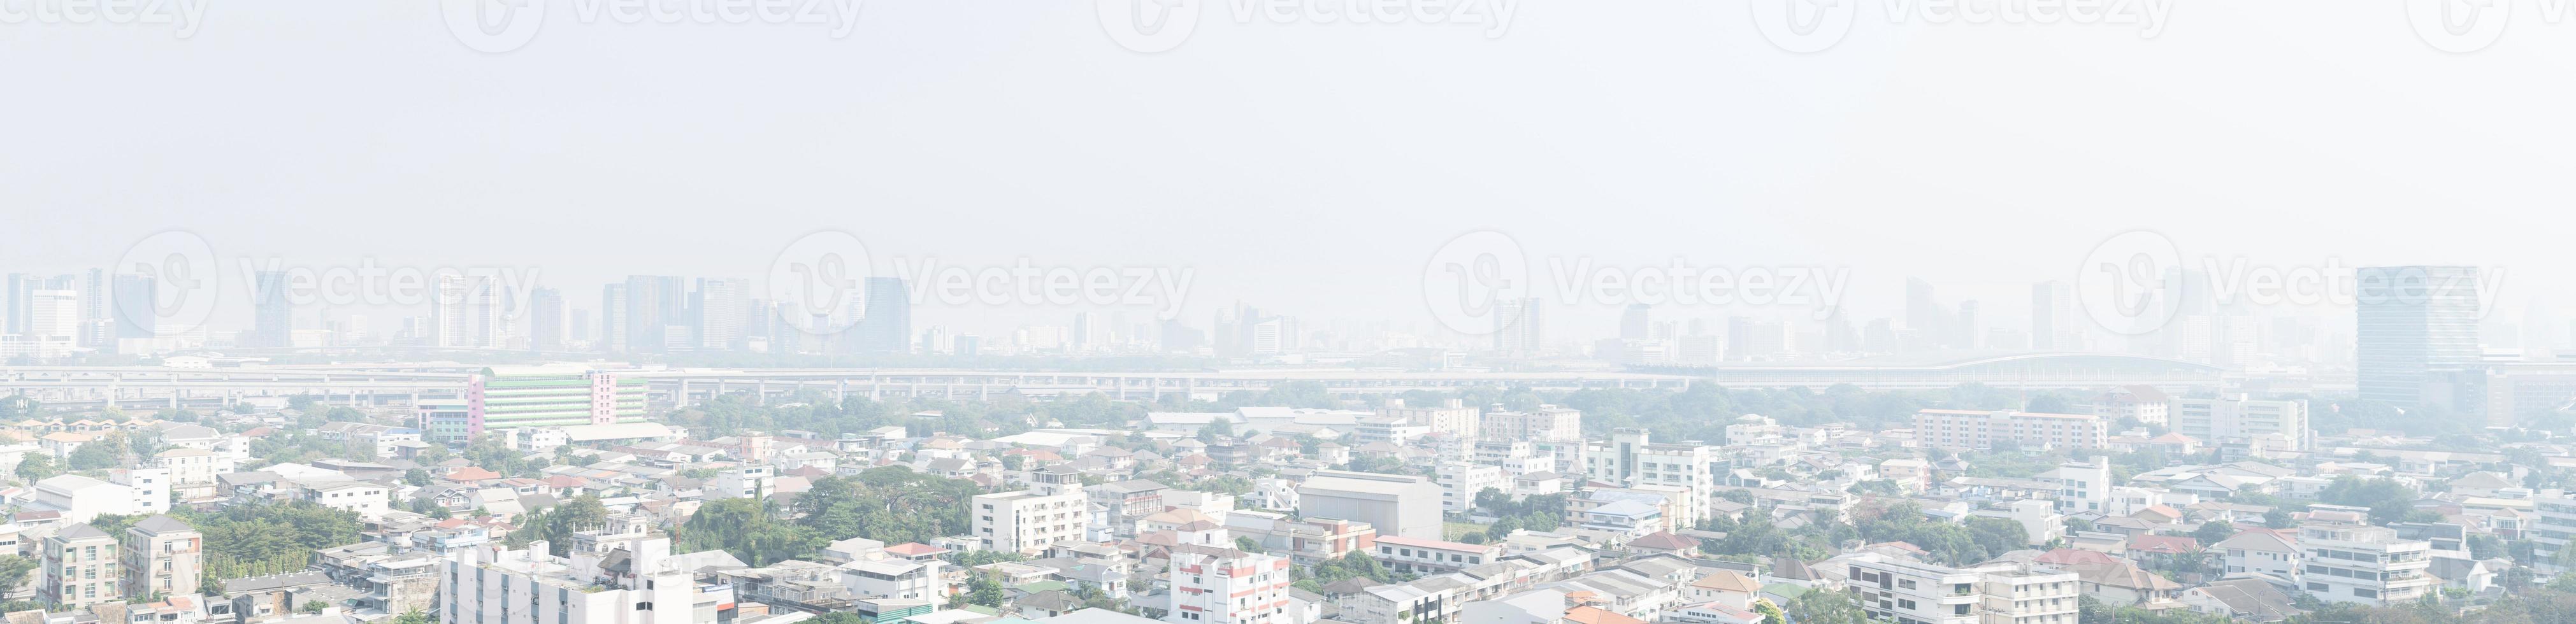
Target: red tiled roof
(470, 473)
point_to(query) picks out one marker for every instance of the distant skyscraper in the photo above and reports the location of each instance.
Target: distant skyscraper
(721, 304)
(654, 303)
(887, 325)
(612, 319)
(135, 317)
(2417, 330)
(96, 329)
(21, 299)
(272, 314)
(1924, 317)
(545, 320)
(1521, 327)
(2052, 317)
(1637, 323)
(450, 324)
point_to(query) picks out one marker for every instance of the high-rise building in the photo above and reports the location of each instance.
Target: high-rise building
(2052, 317)
(886, 327)
(80, 568)
(97, 330)
(1520, 327)
(450, 323)
(545, 320)
(20, 296)
(1637, 322)
(721, 305)
(612, 319)
(135, 319)
(163, 557)
(272, 313)
(2417, 332)
(654, 303)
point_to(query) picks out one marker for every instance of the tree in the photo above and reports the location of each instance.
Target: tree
(985, 590)
(1824, 607)
(313, 606)
(416, 477)
(97, 454)
(1244, 543)
(13, 572)
(2213, 532)
(1770, 612)
(2279, 518)
(37, 466)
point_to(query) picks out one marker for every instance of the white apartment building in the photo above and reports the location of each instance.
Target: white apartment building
(2235, 418)
(2083, 486)
(1454, 418)
(895, 578)
(495, 586)
(1548, 423)
(79, 568)
(2363, 564)
(1212, 583)
(2146, 403)
(1459, 483)
(1908, 591)
(745, 482)
(1632, 458)
(1977, 429)
(1422, 556)
(2264, 553)
(368, 500)
(1053, 509)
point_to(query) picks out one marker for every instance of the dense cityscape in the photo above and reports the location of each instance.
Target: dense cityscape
(1287, 312)
(587, 463)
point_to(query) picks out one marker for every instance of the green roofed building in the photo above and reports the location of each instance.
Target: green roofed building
(513, 397)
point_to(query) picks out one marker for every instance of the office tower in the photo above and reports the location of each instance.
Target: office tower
(1924, 316)
(1637, 323)
(1520, 327)
(80, 568)
(489, 302)
(1082, 329)
(886, 327)
(545, 320)
(53, 315)
(2417, 330)
(450, 323)
(97, 330)
(1265, 336)
(272, 315)
(2052, 317)
(20, 297)
(1964, 333)
(722, 305)
(132, 299)
(163, 557)
(612, 319)
(577, 325)
(654, 304)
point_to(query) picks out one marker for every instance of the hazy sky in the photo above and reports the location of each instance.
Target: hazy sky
(1307, 168)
